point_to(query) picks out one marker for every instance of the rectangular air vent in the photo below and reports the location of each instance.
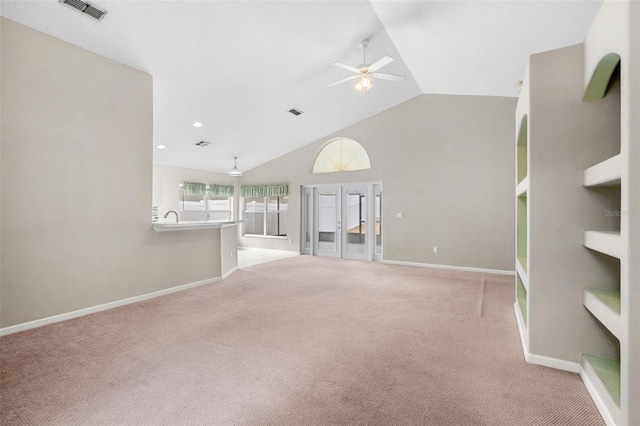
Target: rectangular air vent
(295, 111)
(86, 8)
(202, 144)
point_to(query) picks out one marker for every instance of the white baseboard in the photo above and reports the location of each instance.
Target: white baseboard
(559, 364)
(457, 268)
(231, 271)
(91, 310)
(532, 358)
(522, 329)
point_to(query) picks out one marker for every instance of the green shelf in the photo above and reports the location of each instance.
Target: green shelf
(611, 298)
(608, 369)
(521, 149)
(521, 231)
(523, 262)
(522, 298)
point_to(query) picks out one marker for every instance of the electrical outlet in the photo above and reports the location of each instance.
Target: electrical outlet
(230, 253)
(435, 250)
(399, 215)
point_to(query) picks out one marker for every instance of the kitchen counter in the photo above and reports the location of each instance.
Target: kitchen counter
(190, 226)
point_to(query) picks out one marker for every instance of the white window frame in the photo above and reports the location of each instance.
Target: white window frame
(265, 212)
(229, 202)
(205, 201)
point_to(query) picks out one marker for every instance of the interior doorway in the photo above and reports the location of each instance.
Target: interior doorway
(342, 221)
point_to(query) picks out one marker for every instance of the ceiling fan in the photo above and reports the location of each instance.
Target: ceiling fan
(364, 74)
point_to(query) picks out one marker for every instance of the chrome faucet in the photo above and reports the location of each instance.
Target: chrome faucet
(175, 212)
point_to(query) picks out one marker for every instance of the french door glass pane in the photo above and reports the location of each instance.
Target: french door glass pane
(356, 222)
(378, 224)
(327, 221)
(307, 221)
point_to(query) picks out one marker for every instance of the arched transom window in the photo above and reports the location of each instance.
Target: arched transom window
(341, 155)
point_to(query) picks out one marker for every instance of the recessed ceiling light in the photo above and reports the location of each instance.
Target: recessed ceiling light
(160, 146)
(197, 124)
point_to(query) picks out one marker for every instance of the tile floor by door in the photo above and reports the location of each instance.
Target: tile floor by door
(249, 256)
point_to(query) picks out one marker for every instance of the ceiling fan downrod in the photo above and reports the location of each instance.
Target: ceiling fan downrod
(364, 43)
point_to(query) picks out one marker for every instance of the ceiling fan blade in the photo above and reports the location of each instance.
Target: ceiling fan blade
(346, 67)
(380, 63)
(392, 77)
(353, 77)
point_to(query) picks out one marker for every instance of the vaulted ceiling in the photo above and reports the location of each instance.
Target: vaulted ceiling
(238, 67)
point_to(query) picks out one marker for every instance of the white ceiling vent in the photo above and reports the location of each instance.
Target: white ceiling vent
(202, 144)
(86, 8)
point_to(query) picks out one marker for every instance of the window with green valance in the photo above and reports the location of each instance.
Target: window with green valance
(279, 190)
(221, 190)
(194, 188)
(265, 210)
(200, 189)
(202, 202)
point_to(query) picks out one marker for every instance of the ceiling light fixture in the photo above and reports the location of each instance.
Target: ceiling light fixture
(161, 146)
(197, 124)
(235, 171)
(364, 82)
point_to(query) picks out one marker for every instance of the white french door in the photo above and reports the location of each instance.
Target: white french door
(356, 220)
(342, 221)
(327, 232)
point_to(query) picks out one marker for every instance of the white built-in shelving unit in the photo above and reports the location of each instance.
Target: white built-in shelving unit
(577, 195)
(522, 228)
(604, 174)
(557, 137)
(612, 57)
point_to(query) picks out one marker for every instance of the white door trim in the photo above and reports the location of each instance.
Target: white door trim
(369, 188)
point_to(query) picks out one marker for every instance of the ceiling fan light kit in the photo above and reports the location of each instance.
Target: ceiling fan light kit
(364, 74)
(364, 83)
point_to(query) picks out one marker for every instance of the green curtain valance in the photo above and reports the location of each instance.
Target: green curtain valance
(194, 188)
(279, 190)
(216, 190)
(200, 189)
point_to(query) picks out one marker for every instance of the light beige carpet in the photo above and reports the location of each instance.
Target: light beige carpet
(301, 341)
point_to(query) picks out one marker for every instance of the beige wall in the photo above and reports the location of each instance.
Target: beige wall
(76, 184)
(446, 163)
